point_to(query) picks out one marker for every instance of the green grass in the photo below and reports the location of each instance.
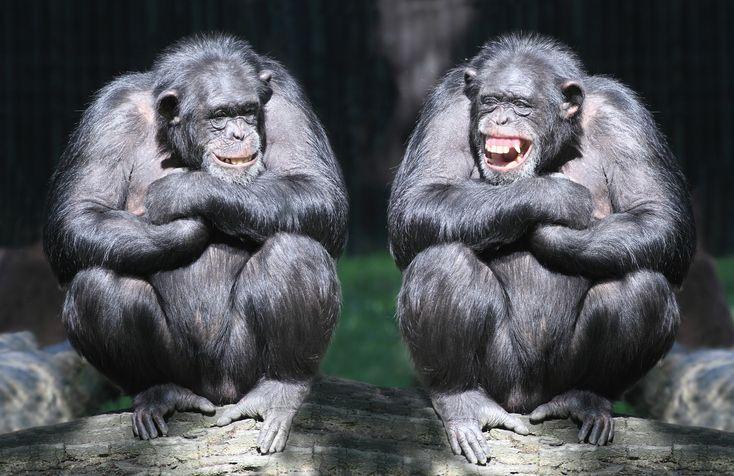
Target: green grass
(725, 268)
(366, 345)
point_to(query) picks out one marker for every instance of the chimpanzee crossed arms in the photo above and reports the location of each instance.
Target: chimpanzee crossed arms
(196, 216)
(542, 225)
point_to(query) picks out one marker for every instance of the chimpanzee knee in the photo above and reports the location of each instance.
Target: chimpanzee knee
(447, 308)
(290, 286)
(624, 328)
(116, 323)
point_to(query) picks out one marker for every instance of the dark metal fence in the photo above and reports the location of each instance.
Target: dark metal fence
(353, 57)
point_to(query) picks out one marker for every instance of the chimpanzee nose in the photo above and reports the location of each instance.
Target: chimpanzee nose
(235, 130)
(238, 133)
(502, 119)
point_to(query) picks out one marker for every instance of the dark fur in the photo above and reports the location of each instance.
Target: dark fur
(221, 284)
(511, 288)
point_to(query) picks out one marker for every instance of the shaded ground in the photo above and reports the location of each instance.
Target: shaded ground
(355, 428)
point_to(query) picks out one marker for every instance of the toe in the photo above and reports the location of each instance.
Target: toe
(585, 429)
(541, 413)
(454, 442)
(161, 424)
(280, 440)
(596, 430)
(476, 446)
(229, 415)
(142, 431)
(483, 442)
(203, 405)
(466, 447)
(268, 438)
(513, 423)
(611, 429)
(604, 435)
(135, 425)
(149, 425)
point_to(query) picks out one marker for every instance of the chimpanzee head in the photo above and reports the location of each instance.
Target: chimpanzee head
(210, 98)
(526, 95)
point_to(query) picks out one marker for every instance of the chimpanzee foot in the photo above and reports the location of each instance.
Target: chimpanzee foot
(276, 403)
(464, 416)
(592, 412)
(151, 406)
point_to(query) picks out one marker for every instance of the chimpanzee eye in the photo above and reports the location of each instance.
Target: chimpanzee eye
(219, 120)
(520, 103)
(490, 101)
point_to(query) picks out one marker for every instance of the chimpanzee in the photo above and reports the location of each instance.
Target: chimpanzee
(542, 225)
(196, 217)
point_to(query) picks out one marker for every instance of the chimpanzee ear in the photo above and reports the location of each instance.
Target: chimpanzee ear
(470, 76)
(265, 76)
(167, 106)
(573, 98)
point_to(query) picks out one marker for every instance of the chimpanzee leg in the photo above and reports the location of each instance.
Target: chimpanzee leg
(449, 307)
(117, 324)
(290, 289)
(624, 328)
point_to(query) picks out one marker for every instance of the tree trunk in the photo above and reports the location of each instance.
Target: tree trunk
(350, 427)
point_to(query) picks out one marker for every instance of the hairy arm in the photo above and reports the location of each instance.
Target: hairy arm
(651, 226)
(87, 224)
(300, 191)
(435, 199)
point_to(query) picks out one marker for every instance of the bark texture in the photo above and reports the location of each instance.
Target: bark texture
(348, 427)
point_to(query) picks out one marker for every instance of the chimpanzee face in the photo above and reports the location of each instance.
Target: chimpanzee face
(222, 120)
(518, 109)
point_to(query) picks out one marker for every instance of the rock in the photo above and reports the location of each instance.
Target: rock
(348, 427)
(39, 387)
(689, 388)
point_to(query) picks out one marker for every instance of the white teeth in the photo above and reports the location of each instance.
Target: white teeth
(517, 148)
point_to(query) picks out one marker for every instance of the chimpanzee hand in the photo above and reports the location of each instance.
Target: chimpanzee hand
(568, 202)
(172, 197)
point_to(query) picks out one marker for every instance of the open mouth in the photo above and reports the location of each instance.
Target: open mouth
(235, 161)
(503, 153)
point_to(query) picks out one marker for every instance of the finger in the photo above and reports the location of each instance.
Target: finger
(515, 424)
(604, 436)
(161, 424)
(477, 448)
(585, 429)
(142, 432)
(454, 442)
(150, 426)
(135, 426)
(468, 452)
